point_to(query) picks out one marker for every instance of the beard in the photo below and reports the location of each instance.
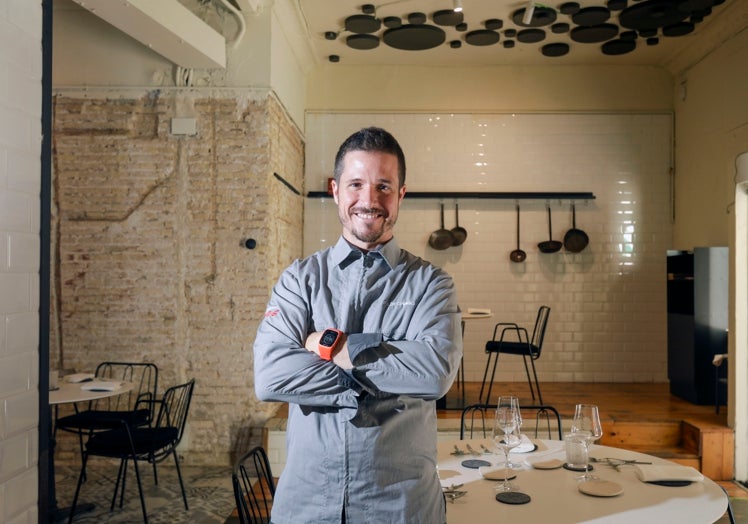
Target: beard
(368, 231)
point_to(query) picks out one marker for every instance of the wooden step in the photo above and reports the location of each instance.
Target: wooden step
(704, 446)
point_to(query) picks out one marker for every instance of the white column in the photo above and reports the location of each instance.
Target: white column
(738, 382)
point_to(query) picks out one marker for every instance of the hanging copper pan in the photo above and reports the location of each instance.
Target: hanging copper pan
(459, 233)
(575, 240)
(550, 245)
(442, 238)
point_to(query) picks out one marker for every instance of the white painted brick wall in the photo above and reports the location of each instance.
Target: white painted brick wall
(608, 303)
(20, 132)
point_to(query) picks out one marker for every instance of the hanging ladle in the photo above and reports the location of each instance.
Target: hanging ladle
(517, 255)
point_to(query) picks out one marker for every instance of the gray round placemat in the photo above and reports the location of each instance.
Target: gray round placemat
(475, 463)
(513, 497)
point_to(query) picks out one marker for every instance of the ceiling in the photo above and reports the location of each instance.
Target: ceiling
(501, 32)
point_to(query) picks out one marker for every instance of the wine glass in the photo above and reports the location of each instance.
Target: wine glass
(510, 464)
(506, 434)
(586, 427)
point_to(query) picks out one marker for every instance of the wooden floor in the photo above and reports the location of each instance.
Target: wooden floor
(616, 401)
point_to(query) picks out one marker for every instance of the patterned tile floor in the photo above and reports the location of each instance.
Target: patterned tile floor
(209, 494)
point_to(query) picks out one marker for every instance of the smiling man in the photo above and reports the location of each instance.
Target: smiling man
(360, 339)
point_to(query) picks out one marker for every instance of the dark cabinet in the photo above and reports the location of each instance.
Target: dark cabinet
(697, 302)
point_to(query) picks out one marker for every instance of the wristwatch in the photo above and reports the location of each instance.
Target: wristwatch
(328, 342)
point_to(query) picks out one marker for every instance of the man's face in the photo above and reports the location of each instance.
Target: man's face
(368, 197)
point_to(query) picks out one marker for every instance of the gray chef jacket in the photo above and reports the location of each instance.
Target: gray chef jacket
(361, 441)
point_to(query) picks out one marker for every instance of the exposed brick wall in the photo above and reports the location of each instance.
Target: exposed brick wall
(150, 263)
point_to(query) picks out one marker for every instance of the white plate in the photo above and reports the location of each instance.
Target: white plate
(496, 473)
(79, 377)
(98, 385)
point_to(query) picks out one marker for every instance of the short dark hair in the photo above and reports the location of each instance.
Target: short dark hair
(373, 139)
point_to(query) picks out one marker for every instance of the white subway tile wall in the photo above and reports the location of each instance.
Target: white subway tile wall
(20, 138)
(608, 303)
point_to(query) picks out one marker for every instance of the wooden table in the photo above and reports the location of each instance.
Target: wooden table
(69, 393)
(557, 499)
(483, 314)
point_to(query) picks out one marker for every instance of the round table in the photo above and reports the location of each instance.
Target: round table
(470, 315)
(555, 496)
(72, 392)
(65, 394)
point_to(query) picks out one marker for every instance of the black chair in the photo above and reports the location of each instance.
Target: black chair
(720, 380)
(517, 343)
(108, 413)
(541, 412)
(254, 487)
(143, 443)
(730, 514)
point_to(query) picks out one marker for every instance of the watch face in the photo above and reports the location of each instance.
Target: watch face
(328, 338)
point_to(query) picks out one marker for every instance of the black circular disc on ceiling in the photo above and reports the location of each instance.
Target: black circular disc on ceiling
(508, 44)
(646, 33)
(594, 34)
(448, 17)
(679, 29)
(617, 5)
(362, 41)
(540, 16)
(651, 14)
(557, 49)
(530, 36)
(417, 18)
(392, 21)
(618, 47)
(560, 27)
(482, 37)
(461, 27)
(569, 8)
(368, 9)
(414, 37)
(455, 44)
(591, 16)
(653, 40)
(362, 24)
(510, 33)
(493, 24)
(629, 35)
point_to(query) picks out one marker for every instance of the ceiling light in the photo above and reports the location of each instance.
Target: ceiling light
(457, 6)
(529, 11)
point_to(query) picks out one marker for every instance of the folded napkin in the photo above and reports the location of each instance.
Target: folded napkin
(496, 472)
(525, 445)
(667, 472)
(101, 386)
(79, 377)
